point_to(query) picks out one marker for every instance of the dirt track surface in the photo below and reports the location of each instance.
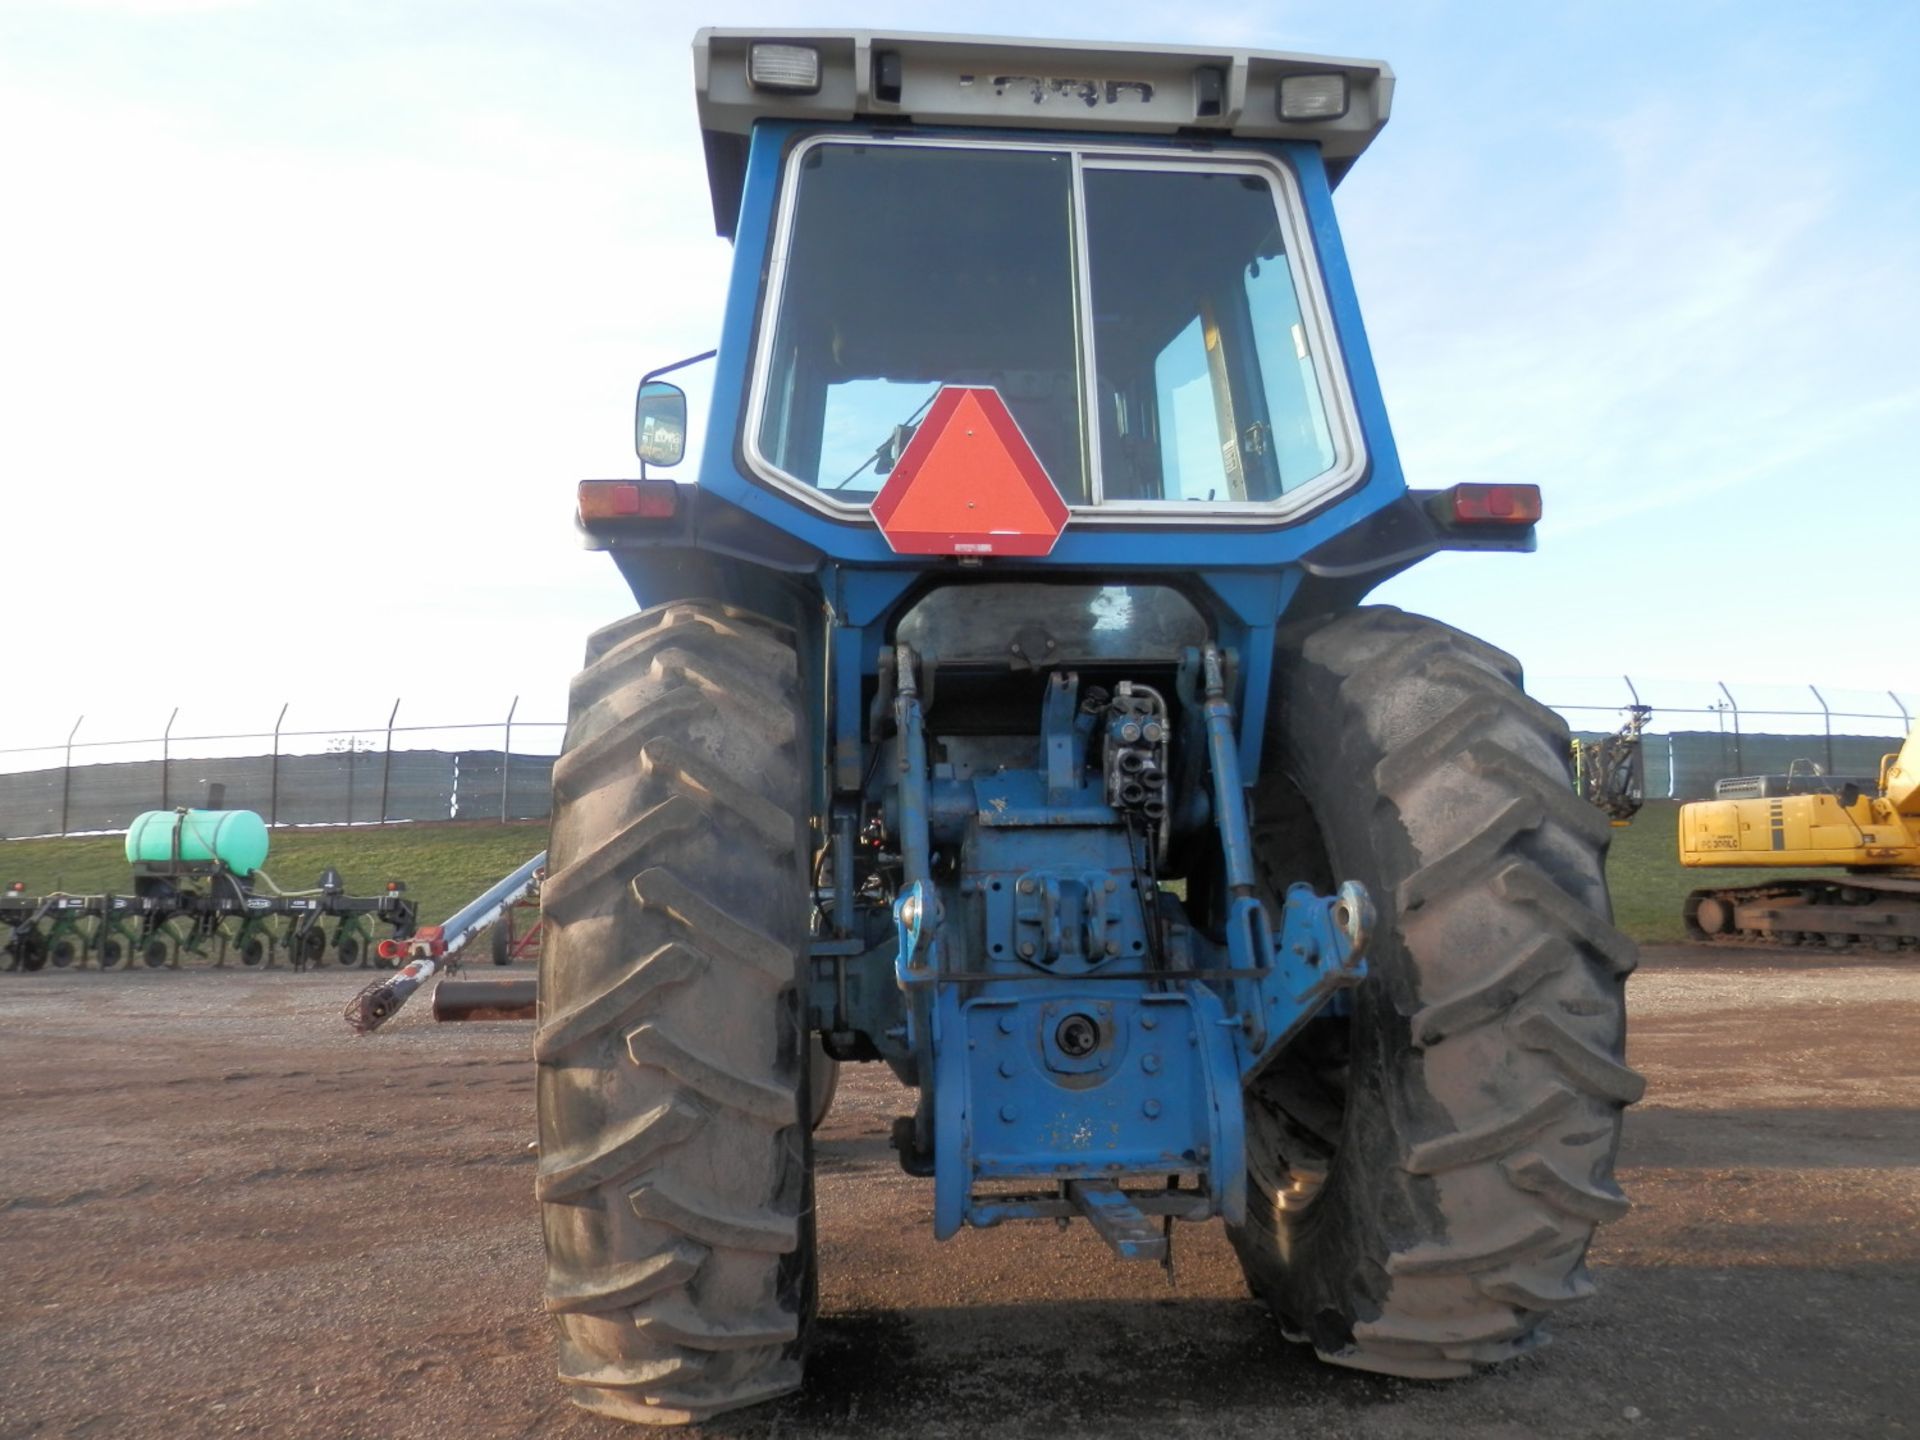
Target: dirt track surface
(222, 1214)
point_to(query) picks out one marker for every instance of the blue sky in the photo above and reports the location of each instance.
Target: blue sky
(314, 313)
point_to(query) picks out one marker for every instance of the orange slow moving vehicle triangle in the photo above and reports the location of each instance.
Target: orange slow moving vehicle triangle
(969, 484)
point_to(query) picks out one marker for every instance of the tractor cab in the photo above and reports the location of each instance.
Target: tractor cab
(1132, 248)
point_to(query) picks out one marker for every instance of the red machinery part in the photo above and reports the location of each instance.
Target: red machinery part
(1494, 504)
(426, 943)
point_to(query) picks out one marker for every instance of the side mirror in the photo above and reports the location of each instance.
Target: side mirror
(660, 423)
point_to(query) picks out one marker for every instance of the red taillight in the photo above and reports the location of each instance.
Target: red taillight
(1494, 504)
(628, 500)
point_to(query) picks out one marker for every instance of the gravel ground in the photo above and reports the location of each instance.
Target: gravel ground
(222, 1214)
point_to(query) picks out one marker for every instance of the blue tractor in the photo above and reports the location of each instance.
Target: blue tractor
(1001, 707)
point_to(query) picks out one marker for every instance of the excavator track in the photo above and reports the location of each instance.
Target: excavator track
(1874, 914)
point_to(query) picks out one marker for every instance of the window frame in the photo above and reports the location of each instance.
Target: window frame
(1349, 445)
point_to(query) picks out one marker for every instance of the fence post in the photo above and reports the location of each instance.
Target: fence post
(273, 784)
(166, 759)
(1826, 715)
(1906, 720)
(1739, 765)
(506, 756)
(66, 775)
(386, 761)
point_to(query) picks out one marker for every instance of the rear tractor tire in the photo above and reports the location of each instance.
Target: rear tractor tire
(675, 1160)
(1425, 1173)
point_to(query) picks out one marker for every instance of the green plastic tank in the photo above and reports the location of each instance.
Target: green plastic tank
(236, 838)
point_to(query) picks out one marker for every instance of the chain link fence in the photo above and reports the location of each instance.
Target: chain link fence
(1700, 732)
(292, 776)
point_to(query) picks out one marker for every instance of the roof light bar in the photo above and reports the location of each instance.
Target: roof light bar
(787, 69)
(832, 76)
(1313, 97)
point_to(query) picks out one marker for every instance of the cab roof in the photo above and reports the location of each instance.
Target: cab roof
(988, 81)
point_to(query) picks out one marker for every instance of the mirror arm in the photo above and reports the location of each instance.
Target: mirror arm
(678, 365)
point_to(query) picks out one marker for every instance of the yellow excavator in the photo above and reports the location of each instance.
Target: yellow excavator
(1867, 833)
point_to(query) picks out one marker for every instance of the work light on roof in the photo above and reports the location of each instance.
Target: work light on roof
(1313, 97)
(790, 69)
